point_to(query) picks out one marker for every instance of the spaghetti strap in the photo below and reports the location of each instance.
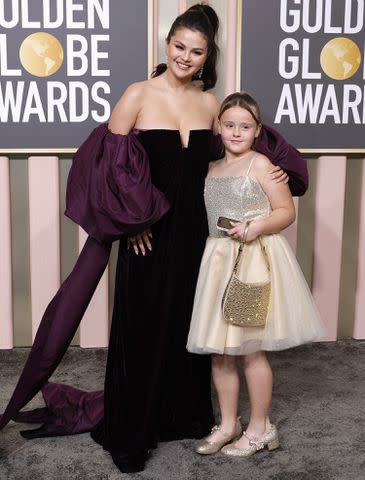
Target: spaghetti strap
(249, 167)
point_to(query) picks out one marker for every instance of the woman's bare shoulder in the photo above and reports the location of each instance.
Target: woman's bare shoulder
(209, 104)
(134, 91)
(125, 112)
(210, 100)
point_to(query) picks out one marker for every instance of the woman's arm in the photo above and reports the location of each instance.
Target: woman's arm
(272, 144)
(126, 111)
(122, 120)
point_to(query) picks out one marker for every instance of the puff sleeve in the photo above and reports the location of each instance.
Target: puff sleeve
(109, 189)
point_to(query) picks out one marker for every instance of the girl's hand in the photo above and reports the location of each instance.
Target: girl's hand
(238, 230)
(140, 241)
(278, 175)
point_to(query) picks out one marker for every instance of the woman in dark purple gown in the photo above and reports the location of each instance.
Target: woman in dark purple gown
(154, 388)
(143, 174)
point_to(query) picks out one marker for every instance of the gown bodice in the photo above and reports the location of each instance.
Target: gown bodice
(178, 172)
(238, 198)
(176, 169)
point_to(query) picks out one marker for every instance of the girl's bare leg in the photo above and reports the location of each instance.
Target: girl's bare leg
(226, 382)
(259, 381)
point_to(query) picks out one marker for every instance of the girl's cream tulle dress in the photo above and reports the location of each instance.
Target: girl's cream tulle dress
(293, 318)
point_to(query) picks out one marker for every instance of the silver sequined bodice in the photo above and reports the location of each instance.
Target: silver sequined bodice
(240, 198)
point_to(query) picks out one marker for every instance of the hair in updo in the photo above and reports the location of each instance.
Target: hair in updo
(243, 100)
(201, 18)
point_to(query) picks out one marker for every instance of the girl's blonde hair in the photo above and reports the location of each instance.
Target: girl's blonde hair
(243, 100)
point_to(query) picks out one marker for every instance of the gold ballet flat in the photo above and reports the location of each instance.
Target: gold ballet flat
(270, 439)
(206, 447)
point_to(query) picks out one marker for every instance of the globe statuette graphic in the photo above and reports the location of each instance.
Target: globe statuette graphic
(41, 54)
(340, 58)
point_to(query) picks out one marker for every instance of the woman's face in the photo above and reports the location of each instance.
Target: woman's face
(186, 52)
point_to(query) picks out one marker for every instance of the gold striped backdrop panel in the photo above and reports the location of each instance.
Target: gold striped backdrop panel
(359, 320)
(350, 248)
(6, 304)
(328, 226)
(305, 235)
(44, 233)
(20, 247)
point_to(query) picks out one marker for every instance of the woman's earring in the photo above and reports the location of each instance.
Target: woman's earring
(200, 73)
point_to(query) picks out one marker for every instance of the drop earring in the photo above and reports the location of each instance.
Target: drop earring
(200, 73)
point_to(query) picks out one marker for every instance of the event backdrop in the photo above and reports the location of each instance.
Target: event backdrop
(39, 246)
(64, 64)
(303, 61)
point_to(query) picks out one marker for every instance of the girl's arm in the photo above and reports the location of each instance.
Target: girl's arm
(283, 210)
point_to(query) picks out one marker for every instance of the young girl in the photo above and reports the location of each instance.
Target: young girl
(238, 187)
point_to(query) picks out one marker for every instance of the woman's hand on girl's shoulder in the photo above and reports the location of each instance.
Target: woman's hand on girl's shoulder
(278, 174)
(125, 112)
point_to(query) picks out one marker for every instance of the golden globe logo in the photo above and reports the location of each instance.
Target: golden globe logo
(74, 93)
(41, 54)
(340, 58)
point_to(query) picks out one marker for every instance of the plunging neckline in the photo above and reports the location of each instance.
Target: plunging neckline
(177, 132)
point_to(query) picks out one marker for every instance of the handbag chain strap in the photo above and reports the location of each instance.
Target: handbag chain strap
(242, 244)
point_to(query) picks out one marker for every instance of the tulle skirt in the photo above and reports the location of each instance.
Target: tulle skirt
(293, 318)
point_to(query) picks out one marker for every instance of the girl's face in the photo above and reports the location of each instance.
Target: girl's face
(238, 130)
(186, 52)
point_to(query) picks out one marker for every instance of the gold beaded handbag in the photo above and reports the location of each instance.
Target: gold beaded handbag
(247, 304)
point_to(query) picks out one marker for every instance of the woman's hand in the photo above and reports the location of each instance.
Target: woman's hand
(238, 230)
(278, 175)
(140, 241)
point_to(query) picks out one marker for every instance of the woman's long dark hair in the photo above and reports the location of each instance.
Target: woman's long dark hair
(201, 18)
